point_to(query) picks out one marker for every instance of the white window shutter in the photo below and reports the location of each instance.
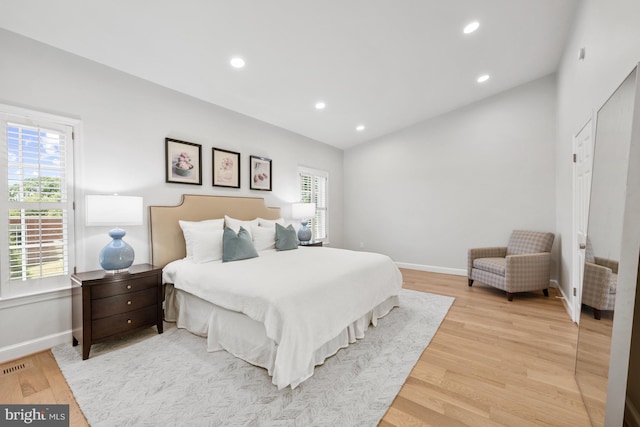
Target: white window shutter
(36, 238)
(314, 189)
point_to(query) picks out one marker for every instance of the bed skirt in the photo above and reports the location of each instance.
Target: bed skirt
(246, 338)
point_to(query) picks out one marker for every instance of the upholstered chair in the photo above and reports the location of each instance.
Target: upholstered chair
(599, 282)
(521, 266)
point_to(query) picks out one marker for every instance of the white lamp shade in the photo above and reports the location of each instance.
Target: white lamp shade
(303, 210)
(113, 210)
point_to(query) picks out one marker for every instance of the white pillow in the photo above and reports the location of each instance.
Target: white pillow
(190, 229)
(235, 224)
(207, 246)
(270, 222)
(264, 237)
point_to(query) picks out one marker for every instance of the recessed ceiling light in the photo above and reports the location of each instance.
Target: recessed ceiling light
(471, 27)
(483, 78)
(360, 128)
(237, 62)
(320, 105)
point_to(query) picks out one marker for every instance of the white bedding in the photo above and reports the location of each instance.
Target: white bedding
(304, 297)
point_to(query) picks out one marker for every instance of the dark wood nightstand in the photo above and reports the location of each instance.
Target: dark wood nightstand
(311, 243)
(106, 305)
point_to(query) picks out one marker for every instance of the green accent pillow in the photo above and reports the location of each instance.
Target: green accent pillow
(237, 246)
(286, 238)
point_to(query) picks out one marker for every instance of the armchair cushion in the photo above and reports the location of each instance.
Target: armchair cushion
(492, 265)
(527, 242)
(493, 252)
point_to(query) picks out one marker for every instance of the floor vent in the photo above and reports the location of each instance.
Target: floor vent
(17, 367)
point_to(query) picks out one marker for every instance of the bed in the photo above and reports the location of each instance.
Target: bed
(285, 311)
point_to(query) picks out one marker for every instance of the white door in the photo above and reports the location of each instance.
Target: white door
(583, 165)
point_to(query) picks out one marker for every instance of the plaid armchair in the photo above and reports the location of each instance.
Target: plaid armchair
(599, 282)
(523, 265)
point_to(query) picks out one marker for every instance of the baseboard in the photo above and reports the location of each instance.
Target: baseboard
(565, 301)
(26, 348)
(432, 269)
(631, 414)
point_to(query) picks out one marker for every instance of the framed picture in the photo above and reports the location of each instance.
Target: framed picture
(226, 168)
(183, 162)
(259, 173)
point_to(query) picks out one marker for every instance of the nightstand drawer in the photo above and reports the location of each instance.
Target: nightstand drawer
(124, 322)
(105, 307)
(123, 287)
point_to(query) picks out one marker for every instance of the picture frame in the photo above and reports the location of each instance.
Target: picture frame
(260, 173)
(183, 162)
(226, 168)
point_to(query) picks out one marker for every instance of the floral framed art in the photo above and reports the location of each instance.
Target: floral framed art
(259, 173)
(226, 168)
(183, 162)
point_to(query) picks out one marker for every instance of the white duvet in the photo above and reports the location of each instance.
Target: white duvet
(304, 297)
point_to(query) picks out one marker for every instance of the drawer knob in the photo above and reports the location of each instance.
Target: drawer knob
(129, 302)
(128, 286)
(129, 321)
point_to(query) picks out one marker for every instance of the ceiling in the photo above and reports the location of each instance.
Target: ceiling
(381, 63)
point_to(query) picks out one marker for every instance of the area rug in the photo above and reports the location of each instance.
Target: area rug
(170, 379)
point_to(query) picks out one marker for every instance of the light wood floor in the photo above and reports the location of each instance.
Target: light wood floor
(491, 363)
(40, 382)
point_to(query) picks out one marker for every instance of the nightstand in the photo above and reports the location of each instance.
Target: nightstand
(106, 305)
(311, 243)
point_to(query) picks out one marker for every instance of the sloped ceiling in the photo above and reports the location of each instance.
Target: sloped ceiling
(380, 63)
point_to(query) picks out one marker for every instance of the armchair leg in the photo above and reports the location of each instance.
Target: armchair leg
(470, 282)
(597, 314)
(509, 296)
(545, 292)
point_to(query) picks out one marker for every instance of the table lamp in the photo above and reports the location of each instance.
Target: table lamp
(115, 211)
(303, 211)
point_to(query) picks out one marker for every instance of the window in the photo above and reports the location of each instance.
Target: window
(314, 188)
(37, 230)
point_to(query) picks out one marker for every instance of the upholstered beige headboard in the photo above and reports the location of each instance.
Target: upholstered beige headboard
(167, 241)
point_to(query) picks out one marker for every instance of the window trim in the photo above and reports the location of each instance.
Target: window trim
(324, 174)
(40, 288)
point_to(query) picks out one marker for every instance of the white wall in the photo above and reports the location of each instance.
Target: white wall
(121, 149)
(426, 194)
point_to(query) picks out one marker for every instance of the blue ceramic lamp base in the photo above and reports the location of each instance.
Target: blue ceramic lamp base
(118, 255)
(304, 234)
